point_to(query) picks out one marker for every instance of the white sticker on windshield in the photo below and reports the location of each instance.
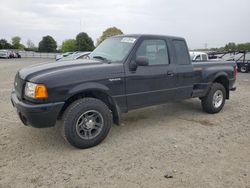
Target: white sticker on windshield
(128, 39)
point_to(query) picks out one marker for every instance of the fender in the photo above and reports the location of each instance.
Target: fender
(219, 74)
(93, 86)
(88, 87)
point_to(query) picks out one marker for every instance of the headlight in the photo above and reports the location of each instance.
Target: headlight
(36, 91)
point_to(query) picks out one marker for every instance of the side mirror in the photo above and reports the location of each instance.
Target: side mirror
(142, 61)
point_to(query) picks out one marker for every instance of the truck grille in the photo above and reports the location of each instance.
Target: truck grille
(19, 85)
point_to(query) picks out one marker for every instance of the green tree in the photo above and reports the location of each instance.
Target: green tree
(69, 45)
(243, 47)
(47, 44)
(4, 44)
(30, 46)
(16, 42)
(111, 31)
(231, 46)
(84, 42)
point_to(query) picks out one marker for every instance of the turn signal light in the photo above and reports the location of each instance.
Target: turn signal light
(41, 91)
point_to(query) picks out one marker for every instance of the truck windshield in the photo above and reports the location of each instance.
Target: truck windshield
(113, 49)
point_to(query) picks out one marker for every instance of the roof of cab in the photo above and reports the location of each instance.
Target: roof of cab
(197, 53)
(149, 35)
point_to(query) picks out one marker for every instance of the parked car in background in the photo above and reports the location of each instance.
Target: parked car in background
(5, 54)
(243, 63)
(77, 55)
(60, 56)
(18, 55)
(13, 54)
(198, 56)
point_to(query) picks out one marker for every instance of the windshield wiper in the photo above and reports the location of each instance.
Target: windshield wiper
(102, 58)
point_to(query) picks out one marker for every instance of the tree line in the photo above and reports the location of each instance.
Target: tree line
(229, 47)
(82, 42)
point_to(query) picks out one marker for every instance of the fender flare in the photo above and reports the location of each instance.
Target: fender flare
(93, 86)
(220, 74)
(88, 87)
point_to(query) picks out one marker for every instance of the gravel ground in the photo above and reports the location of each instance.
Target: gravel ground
(172, 145)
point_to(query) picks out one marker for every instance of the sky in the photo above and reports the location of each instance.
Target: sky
(211, 23)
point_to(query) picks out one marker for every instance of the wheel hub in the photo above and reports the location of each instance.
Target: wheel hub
(218, 99)
(90, 124)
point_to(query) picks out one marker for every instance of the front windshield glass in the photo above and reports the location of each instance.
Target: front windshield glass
(114, 49)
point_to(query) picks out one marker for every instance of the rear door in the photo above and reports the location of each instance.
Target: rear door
(183, 70)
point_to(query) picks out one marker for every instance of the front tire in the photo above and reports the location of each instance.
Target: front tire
(214, 101)
(86, 122)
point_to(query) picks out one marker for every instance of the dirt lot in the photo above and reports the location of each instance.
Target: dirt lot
(173, 145)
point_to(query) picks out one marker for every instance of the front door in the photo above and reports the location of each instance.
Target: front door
(152, 84)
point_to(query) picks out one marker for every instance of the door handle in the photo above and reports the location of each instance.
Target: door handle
(170, 73)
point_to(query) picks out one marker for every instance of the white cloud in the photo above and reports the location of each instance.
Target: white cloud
(213, 22)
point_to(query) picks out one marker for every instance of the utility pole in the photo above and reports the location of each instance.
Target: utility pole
(80, 32)
(80, 25)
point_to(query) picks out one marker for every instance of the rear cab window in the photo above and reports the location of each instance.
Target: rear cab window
(181, 51)
(204, 57)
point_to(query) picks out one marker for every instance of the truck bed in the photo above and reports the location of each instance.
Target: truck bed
(206, 71)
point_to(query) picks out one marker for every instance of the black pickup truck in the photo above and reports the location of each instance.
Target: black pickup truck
(123, 73)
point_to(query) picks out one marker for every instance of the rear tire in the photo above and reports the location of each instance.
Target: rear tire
(214, 101)
(86, 122)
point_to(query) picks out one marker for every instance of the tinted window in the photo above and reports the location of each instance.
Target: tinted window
(181, 52)
(155, 50)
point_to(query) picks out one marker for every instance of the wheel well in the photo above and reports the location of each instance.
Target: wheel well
(225, 82)
(94, 94)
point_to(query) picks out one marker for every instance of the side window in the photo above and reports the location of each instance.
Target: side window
(155, 50)
(182, 56)
(204, 57)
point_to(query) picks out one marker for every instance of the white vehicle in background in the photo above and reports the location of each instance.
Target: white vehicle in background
(77, 55)
(60, 56)
(198, 56)
(5, 54)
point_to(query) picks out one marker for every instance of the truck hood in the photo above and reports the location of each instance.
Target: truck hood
(41, 72)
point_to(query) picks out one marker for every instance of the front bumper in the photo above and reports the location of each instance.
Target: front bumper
(37, 115)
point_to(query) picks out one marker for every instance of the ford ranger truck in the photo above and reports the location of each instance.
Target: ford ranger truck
(123, 73)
